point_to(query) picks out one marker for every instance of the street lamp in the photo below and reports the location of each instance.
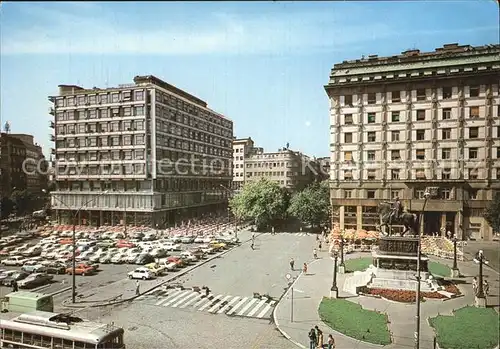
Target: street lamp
(73, 247)
(334, 290)
(427, 195)
(228, 211)
(480, 298)
(342, 265)
(454, 271)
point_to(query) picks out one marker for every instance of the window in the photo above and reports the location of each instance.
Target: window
(372, 98)
(395, 155)
(420, 154)
(474, 91)
(446, 113)
(395, 136)
(396, 96)
(370, 155)
(348, 137)
(419, 194)
(395, 173)
(371, 175)
(348, 119)
(472, 194)
(472, 153)
(420, 174)
(473, 173)
(446, 174)
(139, 139)
(348, 100)
(498, 152)
(104, 98)
(370, 194)
(446, 133)
(347, 174)
(421, 115)
(371, 118)
(348, 156)
(115, 97)
(395, 116)
(347, 194)
(445, 153)
(139, 110)
(473, 132)
(394, 194)
(446, 194)
(372, 136)
(474, 112)
(420, 135)
(138, 95)
(447, 92)
(421, 94)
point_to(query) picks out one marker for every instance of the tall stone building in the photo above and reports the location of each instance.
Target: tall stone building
(142, 153)
(403, 123)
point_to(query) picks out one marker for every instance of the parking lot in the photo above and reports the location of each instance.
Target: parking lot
(107, 255)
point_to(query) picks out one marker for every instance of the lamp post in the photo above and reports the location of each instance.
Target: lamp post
(73, 244)
(334, 291)
(228, 211)
(480, 299)
(342, 265)
(427, 195)
(454, 271)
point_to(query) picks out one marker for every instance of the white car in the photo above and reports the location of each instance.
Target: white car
(14, 260)
(119, 258)
(206, 249)
(131, 257)
(189, 239)
(170, 246)
(141, 273)
(207, 239)
(186, 255)
(199, 239)
(158, 253)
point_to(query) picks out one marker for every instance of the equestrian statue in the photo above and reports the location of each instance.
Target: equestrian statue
(393, 213)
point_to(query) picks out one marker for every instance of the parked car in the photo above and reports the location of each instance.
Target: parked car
(106, 243)
(144, 258)
(188, 256)
(81, 269)
(197, 252)
(189, 239)
(16, 276)
(158, 253)
(206, 249)
(6, 273)
(66, 241)
(177, 260)
(199, 239)
(34, 280)
(156, 268)
(124, 243)
(37, 268)
(55, 268)
(14, 260)
(141, 273)
(131, 257)
(171, 246)
(217, 245)
(32, 252)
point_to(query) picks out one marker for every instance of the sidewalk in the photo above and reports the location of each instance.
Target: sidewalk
(311, 288)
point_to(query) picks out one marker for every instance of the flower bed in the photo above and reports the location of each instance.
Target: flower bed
(404, 296)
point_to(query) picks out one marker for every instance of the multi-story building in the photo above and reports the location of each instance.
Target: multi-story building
(12, 156)
(290, 169)
(142, 153)
(35, 166)
(404, 123)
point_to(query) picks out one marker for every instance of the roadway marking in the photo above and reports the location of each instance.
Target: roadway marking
(191, 301)
(163, 300)
(183, 299)
(237, 306)
(172, 300)
(247, 306)
(266, 309)
(208, 304)
(204, 299)
(218, 304)
(254, 310)
(234, 300)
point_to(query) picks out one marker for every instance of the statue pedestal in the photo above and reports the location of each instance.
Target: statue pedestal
(480, 302)
(342, 269)
(455, 273)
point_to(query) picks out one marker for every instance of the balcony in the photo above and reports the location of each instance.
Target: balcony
(52, 138)
(51, 111)
(52, 151)
(52, 124)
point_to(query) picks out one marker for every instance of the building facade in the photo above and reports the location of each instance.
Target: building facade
(242, 148)
(145, 153)
(35, 166)
(405, 123)
(12, 156)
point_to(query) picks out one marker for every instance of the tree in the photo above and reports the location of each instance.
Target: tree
(262, 201)
(492, 214)
(22, 200)
(312, 205)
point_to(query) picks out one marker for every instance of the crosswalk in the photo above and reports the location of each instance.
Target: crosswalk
(214, 304)
(294, 234)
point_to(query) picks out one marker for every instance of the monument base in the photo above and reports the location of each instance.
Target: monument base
(342, 269)
(455, 273)
(480, 302)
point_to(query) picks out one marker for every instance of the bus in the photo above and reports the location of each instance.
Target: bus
(24, 302)
(47, 330)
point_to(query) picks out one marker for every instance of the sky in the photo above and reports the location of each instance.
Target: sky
(261, 64)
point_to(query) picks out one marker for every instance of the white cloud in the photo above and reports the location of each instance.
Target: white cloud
(308, 123)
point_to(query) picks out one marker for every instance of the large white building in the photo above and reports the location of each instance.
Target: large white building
(143, 153)
(403, 123)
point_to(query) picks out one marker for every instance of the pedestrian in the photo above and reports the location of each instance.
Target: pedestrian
(300, 229)
(292, 264)
(15, 287)
(207, 291)
(319, 337)
(251, 246)
(253, 236)
(486, 287)
(315, 253)
(312, 339)
(304, 268)
(331, 342)
(272, 230)
(320, 245)
(137, 288)
(474, 285)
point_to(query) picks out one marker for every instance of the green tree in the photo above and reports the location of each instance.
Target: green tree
(262, 201)
(312, 205)
(492, 214)
(22, 200)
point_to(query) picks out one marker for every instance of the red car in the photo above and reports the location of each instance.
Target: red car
(124, 243)
(177, 260)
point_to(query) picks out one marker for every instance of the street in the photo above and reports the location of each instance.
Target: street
(174, 318)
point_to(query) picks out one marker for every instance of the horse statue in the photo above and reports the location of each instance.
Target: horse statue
(408, 220)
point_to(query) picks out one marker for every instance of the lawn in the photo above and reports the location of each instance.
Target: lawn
(469, 327)
(438, 269)
(357, 264)
(352, 320)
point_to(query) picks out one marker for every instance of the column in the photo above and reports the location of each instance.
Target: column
(359, 217)
(442, 226)
(341, 216)
(459, 221)
(422, 224)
